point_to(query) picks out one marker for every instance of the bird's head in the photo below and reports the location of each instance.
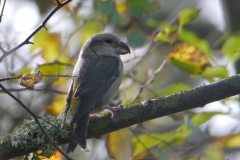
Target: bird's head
(104, 44)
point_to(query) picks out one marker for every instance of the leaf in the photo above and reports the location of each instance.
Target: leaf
(56, 156)
(49, 43)
(174, 88)
(144, 142)
(191, 38)
(120, 17)
(215, 72)
(231, 47)
(137, 8)
(30, 80)
(57, 106)
(187, 16)
(123, 11)
(233, 141)
(137, 100)
(136, 38)
(201, 118)
(88, 29)
(119, 144)
(213, 152)
(169, 34)
(189, 59)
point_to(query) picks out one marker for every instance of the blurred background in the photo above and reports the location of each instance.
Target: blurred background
(211, 132)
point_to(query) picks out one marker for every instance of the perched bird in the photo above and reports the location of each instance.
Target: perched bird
(96, 77)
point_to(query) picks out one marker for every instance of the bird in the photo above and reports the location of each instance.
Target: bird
(96, 78)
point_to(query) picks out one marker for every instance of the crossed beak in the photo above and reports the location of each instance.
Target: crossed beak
(122, 48)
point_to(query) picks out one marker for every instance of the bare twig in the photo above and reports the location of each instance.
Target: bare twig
(10, 78)
(68, 39)
(108, 16)
(156, 71)
(2, 10)
(43, 89)
(20, 76)
(150, 80)
(37, 121)
(52, 63)
(42, 25)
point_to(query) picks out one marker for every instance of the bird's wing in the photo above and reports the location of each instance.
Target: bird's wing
(95, 81)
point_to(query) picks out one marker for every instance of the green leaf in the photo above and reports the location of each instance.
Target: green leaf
(174, 88)
(138, 7)
(136, 101)
(136, 38)
(115, 16)
(123, 11)
(192, 39)
(215, 72)
(200, 118)
(143, 142)
(187, 16)
(231, 47)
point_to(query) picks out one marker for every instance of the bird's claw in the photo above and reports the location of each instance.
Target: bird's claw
(114, 110)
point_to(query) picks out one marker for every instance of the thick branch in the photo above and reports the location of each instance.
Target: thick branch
(147, 110)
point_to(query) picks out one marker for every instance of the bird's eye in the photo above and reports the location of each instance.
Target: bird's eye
(108, 41)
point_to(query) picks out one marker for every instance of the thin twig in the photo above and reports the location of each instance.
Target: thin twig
(52, 63)
(42, 25)
(68, 39)
(156, 71)
(142, 83)
(20, 76)
(59, 76)
(108, 16)
(39, 89)
(10, 78)
(150, 80)
(37, 121)
(2, 10)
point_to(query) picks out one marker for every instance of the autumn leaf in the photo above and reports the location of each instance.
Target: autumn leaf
(189, 59)
(119, 144)
(30, 80)
(57, 106)
(49, 43)
(169, 34)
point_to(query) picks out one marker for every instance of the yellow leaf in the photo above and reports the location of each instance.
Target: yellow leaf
(121, 7)
(48, 42)
(30, 80)
(57, 106)
(230, 141)
(189, 59)
(56, 156)
(88, 29)
(170, 34)
(119, 144)
(234, 142)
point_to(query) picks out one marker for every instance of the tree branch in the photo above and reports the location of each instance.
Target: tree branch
(147, 110)
(42, 25)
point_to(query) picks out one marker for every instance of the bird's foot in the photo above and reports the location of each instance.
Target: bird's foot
(114, 110)
(91, 117)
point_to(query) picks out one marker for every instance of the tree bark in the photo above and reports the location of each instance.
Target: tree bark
(147, 110)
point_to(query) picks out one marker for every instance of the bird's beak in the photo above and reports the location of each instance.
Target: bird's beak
(122, 48)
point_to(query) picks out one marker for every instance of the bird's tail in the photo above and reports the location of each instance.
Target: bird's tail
(79, 134)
